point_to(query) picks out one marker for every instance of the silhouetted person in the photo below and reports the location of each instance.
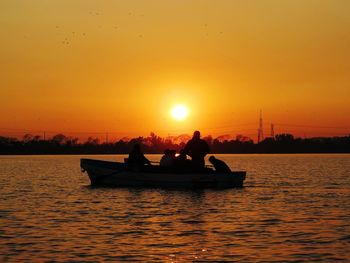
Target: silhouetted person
(181, 161)
(173, 153)
(136, 158)
(168, 159)
(197, 148)
(220, 166)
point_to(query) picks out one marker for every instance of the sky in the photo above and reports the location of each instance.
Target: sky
(96, 66)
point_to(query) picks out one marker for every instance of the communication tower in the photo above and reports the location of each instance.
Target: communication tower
(272, 130)
(260, 130)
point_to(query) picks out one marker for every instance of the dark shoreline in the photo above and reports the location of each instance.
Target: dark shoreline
(280, 144)
(245, 153)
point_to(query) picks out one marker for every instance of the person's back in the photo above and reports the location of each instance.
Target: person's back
(220, 166)
(136, 158)
(181, 161)
(167, 159)
(197, 148)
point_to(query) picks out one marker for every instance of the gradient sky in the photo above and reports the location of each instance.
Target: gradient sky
(119, 66)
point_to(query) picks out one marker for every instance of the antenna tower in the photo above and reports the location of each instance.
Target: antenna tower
(272, 130)
(260, 130)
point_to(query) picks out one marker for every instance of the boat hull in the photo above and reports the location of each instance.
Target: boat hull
(116, 174)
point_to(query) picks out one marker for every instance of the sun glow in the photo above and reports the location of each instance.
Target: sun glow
(179, 112)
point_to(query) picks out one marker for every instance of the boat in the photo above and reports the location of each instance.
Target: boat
(117, 174)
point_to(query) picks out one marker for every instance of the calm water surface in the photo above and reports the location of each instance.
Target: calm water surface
(294, 208)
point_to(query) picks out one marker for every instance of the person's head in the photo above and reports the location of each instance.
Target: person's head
(172, 152)
(196, 135)
(167, 152)
(212, 158)
(136, 147)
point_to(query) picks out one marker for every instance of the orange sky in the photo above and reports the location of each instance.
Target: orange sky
(119, 66)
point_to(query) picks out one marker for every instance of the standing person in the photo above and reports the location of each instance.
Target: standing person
(197, 148)
(136, 158)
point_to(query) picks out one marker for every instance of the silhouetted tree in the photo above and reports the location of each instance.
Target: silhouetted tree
(285, 137)
(92, 141)
(59, 139)
(282, 143)
(27, 138)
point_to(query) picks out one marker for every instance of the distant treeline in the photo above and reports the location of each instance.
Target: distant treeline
(282, 143)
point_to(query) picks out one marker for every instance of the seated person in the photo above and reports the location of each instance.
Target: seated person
(181, 160)
(220, 166)
(136, 158)
(168, 159)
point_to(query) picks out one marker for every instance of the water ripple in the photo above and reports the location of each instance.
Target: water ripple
(291, 210)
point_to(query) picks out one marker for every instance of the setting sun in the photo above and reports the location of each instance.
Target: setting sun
(179, 112)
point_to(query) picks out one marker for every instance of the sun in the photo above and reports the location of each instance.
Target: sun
(179, 112)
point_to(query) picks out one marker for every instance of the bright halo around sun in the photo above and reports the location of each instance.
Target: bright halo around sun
(179, 112)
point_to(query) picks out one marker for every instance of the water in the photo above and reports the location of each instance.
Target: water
(294, 208)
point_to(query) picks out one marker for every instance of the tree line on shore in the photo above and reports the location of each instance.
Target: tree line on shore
(281, 143)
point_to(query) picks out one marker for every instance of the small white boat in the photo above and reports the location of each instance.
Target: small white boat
(117, 174)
